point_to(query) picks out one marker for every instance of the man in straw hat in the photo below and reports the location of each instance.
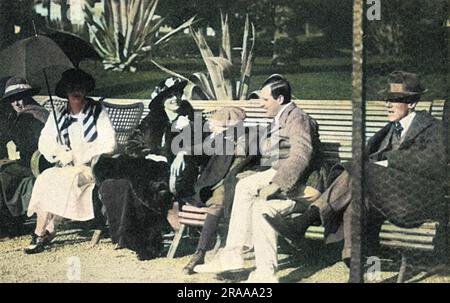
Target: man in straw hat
(273, 191)
(404, 181)
(81, 133)
(24, 128)
(216, 184)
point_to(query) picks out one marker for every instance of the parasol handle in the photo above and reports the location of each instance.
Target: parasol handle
(34, 27)
(53, 106)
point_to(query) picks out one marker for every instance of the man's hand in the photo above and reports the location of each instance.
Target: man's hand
(267, 192)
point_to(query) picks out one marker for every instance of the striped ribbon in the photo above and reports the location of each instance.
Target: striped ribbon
(91, 113)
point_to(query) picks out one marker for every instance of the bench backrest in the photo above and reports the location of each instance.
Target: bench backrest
(334, 118)
(124, 118)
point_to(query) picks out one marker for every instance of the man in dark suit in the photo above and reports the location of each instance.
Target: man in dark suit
(404, 180)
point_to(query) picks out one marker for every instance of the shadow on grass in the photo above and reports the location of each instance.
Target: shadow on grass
(420, 267)
(310, 258)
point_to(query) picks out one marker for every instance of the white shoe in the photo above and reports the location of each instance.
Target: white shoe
(225, 261)
(258, 276)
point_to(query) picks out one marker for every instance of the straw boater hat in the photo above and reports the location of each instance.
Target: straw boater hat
(401, 86)
(17, 88)
(228, 116)
(74, 78)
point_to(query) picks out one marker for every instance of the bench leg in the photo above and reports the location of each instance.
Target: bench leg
(218, 243)
(96, 237)
(175, 241)
(402, 271)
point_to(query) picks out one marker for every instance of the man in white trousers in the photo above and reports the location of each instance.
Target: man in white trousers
(292, 153)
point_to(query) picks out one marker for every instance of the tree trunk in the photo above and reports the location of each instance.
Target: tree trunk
(48, 4)
(283, 49)
(6, 23)
(64, 15)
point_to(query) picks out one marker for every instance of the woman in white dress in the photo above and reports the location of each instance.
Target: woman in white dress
(65, 191)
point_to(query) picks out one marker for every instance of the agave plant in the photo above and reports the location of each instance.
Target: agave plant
(220, 82)
(127, 31)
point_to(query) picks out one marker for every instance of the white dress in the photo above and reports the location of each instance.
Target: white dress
(67, 191)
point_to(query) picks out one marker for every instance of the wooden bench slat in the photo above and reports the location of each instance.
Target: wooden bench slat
(402, 245)
(191, 222)
(190, 208)
(407, 238)
(195, 216)
(426, 225)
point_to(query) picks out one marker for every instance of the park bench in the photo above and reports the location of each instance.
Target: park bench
(335, 129)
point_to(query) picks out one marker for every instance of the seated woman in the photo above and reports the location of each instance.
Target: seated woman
(83, 132)
(22, 124)
(134, 187)
(215, 186)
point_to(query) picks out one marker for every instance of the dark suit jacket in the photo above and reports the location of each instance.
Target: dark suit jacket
(407, 192)
(221, 171)
(411, 189)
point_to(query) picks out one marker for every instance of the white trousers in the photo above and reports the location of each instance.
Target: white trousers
(247, 225)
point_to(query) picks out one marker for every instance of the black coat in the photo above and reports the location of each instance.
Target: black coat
(224, 169)
(155, 135)
(411, 189)
(24, 131)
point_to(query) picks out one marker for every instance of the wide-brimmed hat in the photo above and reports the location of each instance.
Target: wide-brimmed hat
(402, 85)
(74, 78)
(228, 116)
(17, 88)
(167, 87)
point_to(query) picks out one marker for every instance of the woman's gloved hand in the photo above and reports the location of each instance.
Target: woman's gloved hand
(64, 156)
(182, 122)
(178, 165)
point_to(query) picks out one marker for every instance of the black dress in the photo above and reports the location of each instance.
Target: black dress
(135, 191)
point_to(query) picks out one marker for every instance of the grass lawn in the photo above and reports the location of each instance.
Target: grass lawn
(311, 78)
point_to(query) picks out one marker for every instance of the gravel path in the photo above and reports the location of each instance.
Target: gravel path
(102, 263)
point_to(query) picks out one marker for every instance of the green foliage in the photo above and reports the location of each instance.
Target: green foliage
(127, 32)
(181, 46)
(228, 78)
(410, 31)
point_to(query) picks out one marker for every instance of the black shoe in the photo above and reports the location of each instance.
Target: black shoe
(286, 228)
(197, 258)
(36, 246)
(46, 238)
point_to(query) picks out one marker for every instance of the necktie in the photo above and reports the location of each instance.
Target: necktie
(398, 129)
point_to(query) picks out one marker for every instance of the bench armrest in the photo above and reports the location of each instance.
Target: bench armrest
(34, 163)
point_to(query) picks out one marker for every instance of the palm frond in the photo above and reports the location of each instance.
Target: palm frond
(128, 33)
(170, 72)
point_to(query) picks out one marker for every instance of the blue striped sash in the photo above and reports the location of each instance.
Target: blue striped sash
(91, 113)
